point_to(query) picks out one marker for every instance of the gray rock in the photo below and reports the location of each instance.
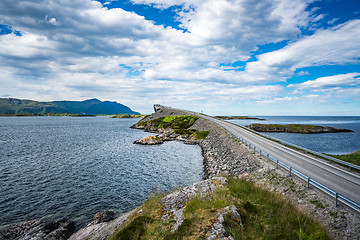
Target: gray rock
(174, 203)
(104, 216)
(101, 231)
(151, 140)
(217, 230)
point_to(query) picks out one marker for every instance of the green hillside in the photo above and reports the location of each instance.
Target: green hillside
(88, 107)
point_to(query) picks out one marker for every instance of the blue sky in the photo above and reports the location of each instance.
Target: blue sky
(249, 57)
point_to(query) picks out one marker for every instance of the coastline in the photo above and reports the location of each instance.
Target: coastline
(223, 155)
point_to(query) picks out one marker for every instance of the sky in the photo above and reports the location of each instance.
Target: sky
(219, 57)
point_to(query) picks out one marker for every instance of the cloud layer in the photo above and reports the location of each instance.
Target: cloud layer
(80, 49)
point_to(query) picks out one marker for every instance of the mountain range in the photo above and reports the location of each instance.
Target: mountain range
(87, 107)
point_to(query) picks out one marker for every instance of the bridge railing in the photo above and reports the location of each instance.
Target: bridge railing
(338, 197)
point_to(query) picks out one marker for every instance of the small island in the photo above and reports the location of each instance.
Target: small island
(125, 115)
(238, 117)
(295, 128)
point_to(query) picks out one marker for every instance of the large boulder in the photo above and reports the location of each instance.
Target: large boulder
(151, 140)
(104, 216)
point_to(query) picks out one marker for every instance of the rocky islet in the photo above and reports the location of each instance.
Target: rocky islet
(295, 128)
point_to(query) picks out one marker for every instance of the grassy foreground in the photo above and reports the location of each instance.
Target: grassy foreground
(353, 158)
(264, 215)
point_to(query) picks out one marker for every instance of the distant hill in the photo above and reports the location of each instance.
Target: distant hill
(88, 107)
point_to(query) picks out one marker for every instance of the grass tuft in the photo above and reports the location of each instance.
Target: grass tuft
(135, 230)
(174, 122)
(201, 134)
(183, 230)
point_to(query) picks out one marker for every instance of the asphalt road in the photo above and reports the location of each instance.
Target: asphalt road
(339, 180)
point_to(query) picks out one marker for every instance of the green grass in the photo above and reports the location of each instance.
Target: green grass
(174, 122)
(353, 158)
(300, 127)
(135, 230)
(180, 125)
(201, 134)
(188, 132)
(264, 215)
(148, 225)
(183, 230)
(195, 134)
(288, 127)
(268, 216)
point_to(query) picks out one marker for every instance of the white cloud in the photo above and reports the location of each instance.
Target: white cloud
(332, 21)
(339, 80)
(76, 49)
(239, 24)
(278, 100)
(338, 45)
(27, 46)
(219, 31)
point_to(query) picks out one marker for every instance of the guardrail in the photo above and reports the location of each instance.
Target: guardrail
(305, 149)
(338, 197)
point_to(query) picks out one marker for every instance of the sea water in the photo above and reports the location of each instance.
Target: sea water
(330, 143)
(54, 167)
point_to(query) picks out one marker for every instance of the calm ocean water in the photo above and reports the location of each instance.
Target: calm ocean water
(330, 143)
(54, 167)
